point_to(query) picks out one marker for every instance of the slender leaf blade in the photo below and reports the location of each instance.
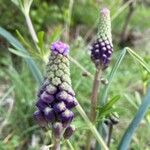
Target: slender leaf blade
(18, 53)
(17, 45)
(138, 58)
(41, 42)
(126, 139)
(111, 76)
(108, 107)
(7, 93)
(106, 90)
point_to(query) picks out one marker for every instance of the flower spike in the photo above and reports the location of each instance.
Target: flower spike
(102, 48)
(56, 97)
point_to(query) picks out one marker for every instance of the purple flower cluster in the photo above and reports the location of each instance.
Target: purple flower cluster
(102, 48)
(56, 97)
(60, 47)
(101, 52)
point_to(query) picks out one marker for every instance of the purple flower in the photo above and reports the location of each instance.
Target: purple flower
(102, 48)
(57, 129)
(66, 116)
(60, 48)
(70, 101)
(39, 117)
(59, 107)
(101, 52)
(62, 95)
(56, 97)
(41, 105)
(47, 98)
(50, 89)
(68, 132)
(49, 114)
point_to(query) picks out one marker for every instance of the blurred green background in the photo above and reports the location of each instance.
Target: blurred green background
(130, 27)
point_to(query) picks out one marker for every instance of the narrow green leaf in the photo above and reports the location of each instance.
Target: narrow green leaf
(111, 76)
(22, 39)
(7, 93)
(126, 139)
(121, 9)
(41, 37)
(92, 127)
(131, 101)
(41, 42)
(17, 45)
(138, 58)
(70, 145)
(108, 107)
(29, 48)
(16, 2)
(110, 103)
(18, 53)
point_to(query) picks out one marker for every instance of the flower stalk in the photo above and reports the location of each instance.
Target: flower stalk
(101, 52)
(93, 114)
(56, 144)
(96, 85)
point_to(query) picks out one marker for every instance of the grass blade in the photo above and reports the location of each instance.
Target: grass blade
(108, 107)
(121, 9)
(131, 101)
(124, 144)
(92, 127)
(70, 145)
(80, 66)
(18, 53)
(7, 93)
(106, 90)
(110, 78)
(17, 45)
(138, 58)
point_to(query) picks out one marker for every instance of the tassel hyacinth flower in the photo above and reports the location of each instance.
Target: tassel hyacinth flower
(101, 52)
(102, 48)
(56, 97)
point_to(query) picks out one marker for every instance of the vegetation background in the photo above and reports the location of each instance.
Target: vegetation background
(77, 23)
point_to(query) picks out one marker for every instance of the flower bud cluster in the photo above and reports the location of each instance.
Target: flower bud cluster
(102, 48)
(56, 97)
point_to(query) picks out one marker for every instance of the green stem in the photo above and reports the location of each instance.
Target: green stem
(70, 145)
(92, 127)
(31, 28)
(69, 20)
(81, 67)
(121, 9)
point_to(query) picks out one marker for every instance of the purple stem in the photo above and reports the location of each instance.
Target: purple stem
(96, 85)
